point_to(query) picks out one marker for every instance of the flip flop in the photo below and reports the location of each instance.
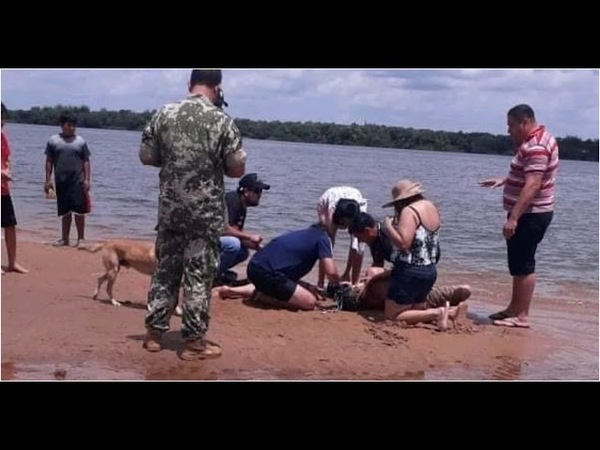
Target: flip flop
(500, 315)
(512, 322)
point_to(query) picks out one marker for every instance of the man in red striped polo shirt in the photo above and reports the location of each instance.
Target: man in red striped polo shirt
(529, 200)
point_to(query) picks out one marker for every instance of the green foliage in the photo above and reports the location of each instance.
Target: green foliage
(367, 135)
(103, 119)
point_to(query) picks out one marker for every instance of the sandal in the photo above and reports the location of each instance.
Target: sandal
(500, 315)
(61, 243)
(512, 322)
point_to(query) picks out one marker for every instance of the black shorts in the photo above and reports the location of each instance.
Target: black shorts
(71, 198)
(522, 246)
(273, 284)
(8, 212)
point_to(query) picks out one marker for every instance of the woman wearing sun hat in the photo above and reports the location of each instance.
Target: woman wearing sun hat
(414, 232)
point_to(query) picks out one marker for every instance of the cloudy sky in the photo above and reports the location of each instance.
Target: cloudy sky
(452, 100)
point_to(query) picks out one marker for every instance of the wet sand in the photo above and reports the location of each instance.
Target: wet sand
(53, 330)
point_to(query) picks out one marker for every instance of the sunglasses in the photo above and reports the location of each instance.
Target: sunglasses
(257, 190)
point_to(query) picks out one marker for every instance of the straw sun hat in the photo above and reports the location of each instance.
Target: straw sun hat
(404, 189)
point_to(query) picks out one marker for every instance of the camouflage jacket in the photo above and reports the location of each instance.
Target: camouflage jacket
(190, 141)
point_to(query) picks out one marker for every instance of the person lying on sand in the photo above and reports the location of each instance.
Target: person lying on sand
(368, 294)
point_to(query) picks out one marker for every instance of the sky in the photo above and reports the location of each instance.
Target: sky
(468, 100)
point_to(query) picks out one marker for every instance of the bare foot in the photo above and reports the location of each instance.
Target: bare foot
(459, 315)
(444, 313)
(16, 268)
(225, 292)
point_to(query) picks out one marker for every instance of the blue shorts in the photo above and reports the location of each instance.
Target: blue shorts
(272, 283)
(522, 246)
(411, 284)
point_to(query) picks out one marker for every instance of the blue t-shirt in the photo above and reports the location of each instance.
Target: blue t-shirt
(295, 253)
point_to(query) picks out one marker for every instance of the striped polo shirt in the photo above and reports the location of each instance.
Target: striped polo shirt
(538, 153)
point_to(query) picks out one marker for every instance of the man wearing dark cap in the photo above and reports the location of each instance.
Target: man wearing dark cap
(195, 144)
(235, 242)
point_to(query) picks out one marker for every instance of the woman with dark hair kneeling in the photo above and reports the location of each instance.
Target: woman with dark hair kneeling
(414, 234)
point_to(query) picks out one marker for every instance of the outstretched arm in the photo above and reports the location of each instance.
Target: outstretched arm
(492, 182)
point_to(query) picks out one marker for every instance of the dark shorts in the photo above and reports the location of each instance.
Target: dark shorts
(71, 198)
(273, 284)
(411, 284)
(523, 244)
(8, 212)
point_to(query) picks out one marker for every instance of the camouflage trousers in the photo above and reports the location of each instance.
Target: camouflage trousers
(194, 259)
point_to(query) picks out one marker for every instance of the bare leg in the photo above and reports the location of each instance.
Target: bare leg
(523, 288)
(458, 314)
(235, 292)
(80, 225)
(10, 238)
(411, 315)
(513, 300)
(302, 299)
(522, 294)
(66, 228)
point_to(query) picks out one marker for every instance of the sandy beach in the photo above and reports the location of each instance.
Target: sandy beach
(53, 330)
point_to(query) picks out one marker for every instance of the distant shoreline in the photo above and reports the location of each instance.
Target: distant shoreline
(363, 135)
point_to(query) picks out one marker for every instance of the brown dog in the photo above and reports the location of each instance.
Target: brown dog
(118, 253)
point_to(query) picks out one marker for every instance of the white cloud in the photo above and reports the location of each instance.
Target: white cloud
(469, 100)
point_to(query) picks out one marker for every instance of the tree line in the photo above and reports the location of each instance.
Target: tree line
(366, 135)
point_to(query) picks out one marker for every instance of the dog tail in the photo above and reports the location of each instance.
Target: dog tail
(93, 249)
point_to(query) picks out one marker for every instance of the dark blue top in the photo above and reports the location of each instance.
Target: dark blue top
(294, 253)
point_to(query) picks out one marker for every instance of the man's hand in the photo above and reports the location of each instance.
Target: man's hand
(7, 175)
(47, 186)
(509, 228)
(253, 241)
(492, 182)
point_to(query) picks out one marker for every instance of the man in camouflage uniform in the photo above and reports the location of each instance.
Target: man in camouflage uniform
(195, 144)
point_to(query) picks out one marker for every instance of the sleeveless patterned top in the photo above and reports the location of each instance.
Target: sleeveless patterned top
(425, 249)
